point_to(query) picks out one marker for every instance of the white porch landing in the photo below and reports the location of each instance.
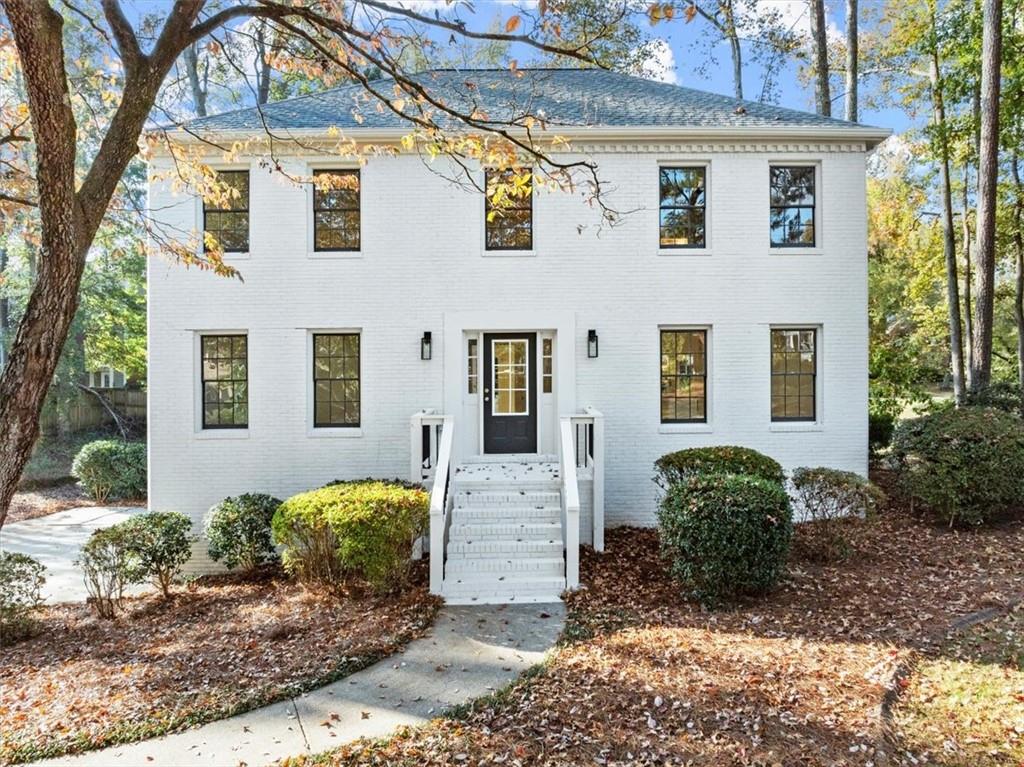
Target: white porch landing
(505, 542)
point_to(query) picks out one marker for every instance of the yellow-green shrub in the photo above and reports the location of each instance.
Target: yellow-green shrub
(363, 528)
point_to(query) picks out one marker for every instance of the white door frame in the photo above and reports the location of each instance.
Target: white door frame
(563, 323)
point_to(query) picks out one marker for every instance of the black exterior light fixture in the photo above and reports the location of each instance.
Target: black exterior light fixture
(425, 346)
(592, 344)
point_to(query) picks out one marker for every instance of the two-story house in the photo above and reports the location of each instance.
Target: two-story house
(534, 364)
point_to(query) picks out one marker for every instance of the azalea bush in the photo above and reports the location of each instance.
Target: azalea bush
(726, 535)
(682, 465)
(110, 468)
(21, 579)
(965, 464)
(238, 531)
(364, 529)
(161, 543)
(831, 500)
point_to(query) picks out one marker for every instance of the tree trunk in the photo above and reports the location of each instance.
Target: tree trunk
(68, 220)
(988, 173)
(965, 226)
(956, 343)
(819, 43)
(734, 46)
(1018, 244)
(262, 64)
(5, 311)
(852, 45)
(198, 92)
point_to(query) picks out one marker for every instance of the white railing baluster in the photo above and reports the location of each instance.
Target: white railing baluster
(439, 504)
(597, 461)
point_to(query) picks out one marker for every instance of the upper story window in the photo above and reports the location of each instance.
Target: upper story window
(225, 381)
(792, 206)
(682, 208)
(336, 222)
(684, 376)
(227, 221)
(336, 386)
(794, 374)
(508, 226)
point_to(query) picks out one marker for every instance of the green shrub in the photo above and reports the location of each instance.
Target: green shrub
(828, 498)
(110, 468)
(109, 563)
(724, 459)
(1002, 395)
(21, 578)
(726, 535)
(880, 429)
(238, 531)
(362, 528)
(967, 465)
(161, 542)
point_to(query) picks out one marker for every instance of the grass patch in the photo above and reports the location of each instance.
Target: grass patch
(966, 706)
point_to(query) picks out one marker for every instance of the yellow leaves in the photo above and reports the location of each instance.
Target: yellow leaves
(690, 13)
(657, 12)
(398, 105)
(408, 142)
(512, 24)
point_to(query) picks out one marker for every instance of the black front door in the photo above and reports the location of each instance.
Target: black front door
(510, 393)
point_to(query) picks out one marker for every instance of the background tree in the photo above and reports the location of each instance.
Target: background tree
(819, 48)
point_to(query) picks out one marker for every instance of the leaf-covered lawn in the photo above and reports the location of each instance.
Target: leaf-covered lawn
(966, 706)
(794, 679)
(221, 646)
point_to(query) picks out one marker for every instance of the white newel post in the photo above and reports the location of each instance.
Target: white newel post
(597, 453)
(570, 503)
(439, 505)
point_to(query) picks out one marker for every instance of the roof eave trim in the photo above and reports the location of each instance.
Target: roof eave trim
(869, 135)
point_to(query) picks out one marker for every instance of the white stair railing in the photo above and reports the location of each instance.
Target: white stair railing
(425, 436)
(570, 502)
(588, 442)
(432, 437)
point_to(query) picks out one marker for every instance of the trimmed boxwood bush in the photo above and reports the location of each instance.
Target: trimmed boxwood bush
(967, 464)
(110, 468)
(21, 578)
(726, 535)
(161, 543)
(828, 497)
(365, 529)
(238, 531)
(723, 459)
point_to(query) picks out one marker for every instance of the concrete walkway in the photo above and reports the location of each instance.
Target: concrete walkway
(56, 539)
(470, 652)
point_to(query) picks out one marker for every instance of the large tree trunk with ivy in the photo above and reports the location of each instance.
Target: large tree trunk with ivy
(968, 313)
(988, 176)
(1018, 246)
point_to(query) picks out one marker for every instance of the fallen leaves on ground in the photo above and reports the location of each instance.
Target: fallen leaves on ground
(224, 644)
(30, 504)
(795, 678)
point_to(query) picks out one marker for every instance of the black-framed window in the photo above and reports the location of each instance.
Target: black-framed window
(684, 376)
(792, 199)
(228, 224)
(508, 226)
(472, 375)
(794, 374)
(682, 207)
(225, 381)
(336, 385)
(547, 357)
(336, 216)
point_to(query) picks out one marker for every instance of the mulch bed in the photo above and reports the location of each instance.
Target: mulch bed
(222, 645)
(40, 501)
(796, 678)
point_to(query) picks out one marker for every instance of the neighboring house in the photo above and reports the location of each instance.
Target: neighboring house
(391, 329)
(106, 378)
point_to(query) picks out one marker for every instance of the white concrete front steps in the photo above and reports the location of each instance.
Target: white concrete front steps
(505, 541)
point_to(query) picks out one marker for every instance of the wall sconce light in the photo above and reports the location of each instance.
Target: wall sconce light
(425, 344)
(592, 344)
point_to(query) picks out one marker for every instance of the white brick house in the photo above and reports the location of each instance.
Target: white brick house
(602, 350)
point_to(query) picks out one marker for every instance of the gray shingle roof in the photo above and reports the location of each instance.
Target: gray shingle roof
(564, 97)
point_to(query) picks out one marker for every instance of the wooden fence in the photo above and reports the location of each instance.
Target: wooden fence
(86, 412)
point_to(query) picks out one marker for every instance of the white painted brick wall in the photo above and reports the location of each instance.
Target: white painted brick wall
(422, 256)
